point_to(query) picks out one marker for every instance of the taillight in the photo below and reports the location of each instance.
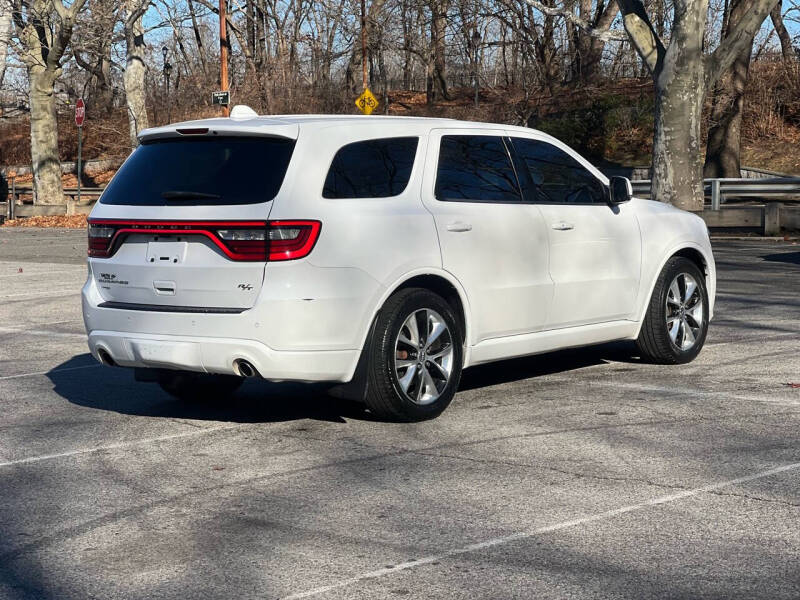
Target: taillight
(289, 240)
(245, 244)
(100, 240)
(239, 240)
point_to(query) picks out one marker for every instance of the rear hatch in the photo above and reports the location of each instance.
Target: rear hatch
(184, 223)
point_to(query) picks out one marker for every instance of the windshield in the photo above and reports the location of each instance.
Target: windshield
(218, 170)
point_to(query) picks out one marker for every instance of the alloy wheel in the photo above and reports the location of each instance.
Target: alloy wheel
(423, 357)
(685, 311)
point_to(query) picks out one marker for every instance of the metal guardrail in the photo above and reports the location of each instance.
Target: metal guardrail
(786, 188)
(16, 192)
(27, 190)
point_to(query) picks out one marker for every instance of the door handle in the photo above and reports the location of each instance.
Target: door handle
(563, 226)
(459, 226)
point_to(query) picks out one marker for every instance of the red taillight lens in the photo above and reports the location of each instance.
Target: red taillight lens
(240, 241)
(100, 240)
(290, 240)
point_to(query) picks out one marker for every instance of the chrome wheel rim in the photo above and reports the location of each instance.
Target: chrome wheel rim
(423, 356)
(685, 311)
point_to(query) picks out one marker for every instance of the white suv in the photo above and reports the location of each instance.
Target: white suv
(385, 253)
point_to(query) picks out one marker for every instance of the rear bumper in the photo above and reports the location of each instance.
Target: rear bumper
(217, 355)
(302, 328)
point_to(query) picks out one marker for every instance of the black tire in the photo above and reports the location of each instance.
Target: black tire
(655, 342)
(202, 387)
(386, 398)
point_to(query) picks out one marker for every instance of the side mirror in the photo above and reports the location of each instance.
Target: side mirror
(620, 190)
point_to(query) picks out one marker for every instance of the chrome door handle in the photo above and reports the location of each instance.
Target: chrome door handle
(563, 226)
(459, 226)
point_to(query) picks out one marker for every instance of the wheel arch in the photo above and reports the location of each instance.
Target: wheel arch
(691, 251)
(439, 282)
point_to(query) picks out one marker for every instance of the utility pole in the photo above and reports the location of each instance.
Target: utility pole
(167, 71)
(223, 50)
(476, 42)
(364, 43)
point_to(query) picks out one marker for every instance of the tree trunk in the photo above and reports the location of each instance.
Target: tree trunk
(5, 36)
(45, 160)
(777, 22)
(133, 78)
(201, 52)
(725, 133)
(594, 52)
(679, 92)
(439, 74)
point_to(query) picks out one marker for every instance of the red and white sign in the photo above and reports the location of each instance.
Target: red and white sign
(80, 112)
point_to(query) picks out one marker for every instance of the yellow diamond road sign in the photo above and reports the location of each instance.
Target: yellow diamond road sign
(366, 102)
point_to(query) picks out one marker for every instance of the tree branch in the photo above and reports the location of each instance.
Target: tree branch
(722, 58)
(606, 35)
(642, 34)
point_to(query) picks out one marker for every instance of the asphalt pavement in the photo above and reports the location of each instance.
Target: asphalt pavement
(577, 474)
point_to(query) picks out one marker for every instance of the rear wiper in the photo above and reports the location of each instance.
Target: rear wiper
(184, 195)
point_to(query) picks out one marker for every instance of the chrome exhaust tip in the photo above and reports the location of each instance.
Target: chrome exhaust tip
(105, 358)
(244, 368)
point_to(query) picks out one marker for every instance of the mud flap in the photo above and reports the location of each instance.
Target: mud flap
(356, 389)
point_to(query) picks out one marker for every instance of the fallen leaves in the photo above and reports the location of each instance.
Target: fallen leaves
(70, 222)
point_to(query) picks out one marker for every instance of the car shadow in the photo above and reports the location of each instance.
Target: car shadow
(84, 382)
(539, 365)
(792, 258)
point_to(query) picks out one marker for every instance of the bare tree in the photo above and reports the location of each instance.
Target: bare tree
(682, 74)
(134, 76)
(5, 35)
(776, 14)
(44, 29)
(91, 47)
(437, 70)
(725, 132)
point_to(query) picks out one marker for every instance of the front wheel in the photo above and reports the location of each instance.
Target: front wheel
(416, 357)
(676, 323)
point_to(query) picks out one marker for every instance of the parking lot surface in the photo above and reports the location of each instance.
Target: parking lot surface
(578, 474)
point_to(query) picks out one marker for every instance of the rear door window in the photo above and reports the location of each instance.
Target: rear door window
(371, 169)
(475, 168)
(218, 170)
(557, 177)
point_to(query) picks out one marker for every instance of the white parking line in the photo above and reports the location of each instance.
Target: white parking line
(48, 294)
(164, 438)
(50, 372)
(542, 530)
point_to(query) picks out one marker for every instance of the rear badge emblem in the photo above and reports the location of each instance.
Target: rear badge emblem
(110, 278)
(245, 286)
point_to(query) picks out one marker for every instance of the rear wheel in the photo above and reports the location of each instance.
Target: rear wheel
(416, 357)
(676, 323)
(189, 386)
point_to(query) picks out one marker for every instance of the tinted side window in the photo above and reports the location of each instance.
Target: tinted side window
(475, 167)
(557, 176)
(371, 169)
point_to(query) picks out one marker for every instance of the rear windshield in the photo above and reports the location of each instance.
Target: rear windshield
(219, 170)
